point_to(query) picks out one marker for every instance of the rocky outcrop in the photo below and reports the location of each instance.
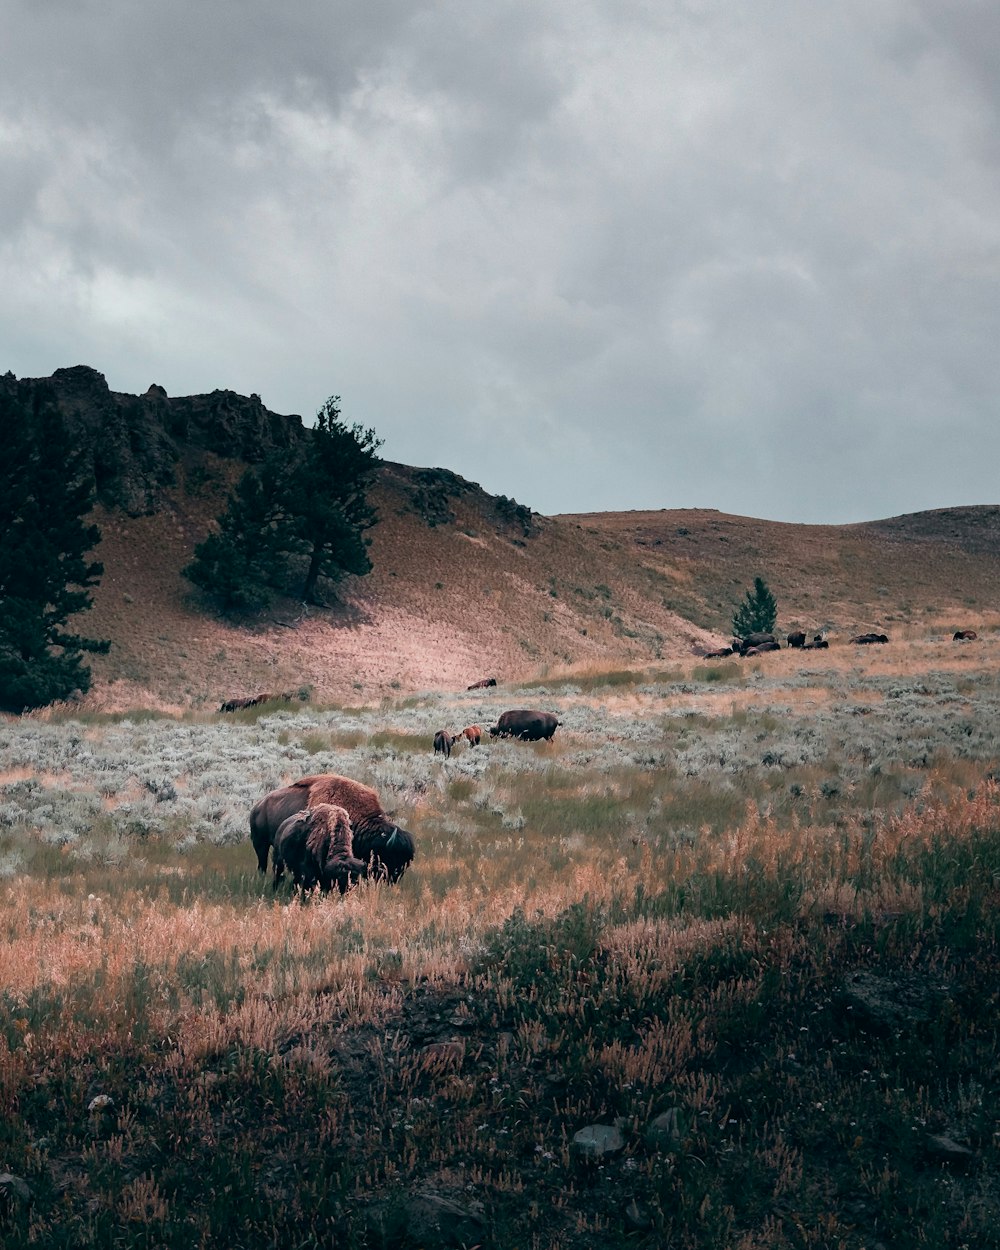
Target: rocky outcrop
(133, 443)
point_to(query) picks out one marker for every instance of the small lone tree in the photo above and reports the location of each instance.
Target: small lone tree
(45, 494)
(328, 498)
(309, 504)
(757, 613)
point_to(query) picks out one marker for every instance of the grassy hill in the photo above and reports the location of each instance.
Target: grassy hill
(465, 585)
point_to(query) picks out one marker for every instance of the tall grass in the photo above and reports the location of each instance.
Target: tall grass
(778, 930)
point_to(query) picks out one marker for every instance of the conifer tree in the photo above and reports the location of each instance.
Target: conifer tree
(45, 575)
(758, 612)
(305, 506)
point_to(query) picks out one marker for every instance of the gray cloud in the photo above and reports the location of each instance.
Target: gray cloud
(592, 255)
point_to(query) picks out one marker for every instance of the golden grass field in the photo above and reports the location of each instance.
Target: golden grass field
(757, 897)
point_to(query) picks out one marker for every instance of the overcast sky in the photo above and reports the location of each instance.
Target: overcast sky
(594, 254)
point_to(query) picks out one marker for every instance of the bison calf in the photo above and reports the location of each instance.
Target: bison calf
(473, 734)
(443, 742)
(317, 848)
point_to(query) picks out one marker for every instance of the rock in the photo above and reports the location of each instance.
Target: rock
(15, 1193)
(637, 1218)
(102, 1102)
(433, 1221)
(443, 1056)
(943, 1149)
(598, 1140)
(665, 1131)
(888, 1005)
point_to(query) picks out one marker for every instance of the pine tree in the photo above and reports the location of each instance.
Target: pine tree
(757, 613)
(45, 495)
(238, 562)
(329, 498)
(306, 505)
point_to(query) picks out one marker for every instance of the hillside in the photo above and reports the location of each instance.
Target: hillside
(466, 584)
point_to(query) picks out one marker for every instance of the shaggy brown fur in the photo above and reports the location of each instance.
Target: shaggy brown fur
(385, 848)
(473, 733)
(317, 847)
(444, 741)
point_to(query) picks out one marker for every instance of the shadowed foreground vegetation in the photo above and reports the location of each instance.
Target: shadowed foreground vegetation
(754, 933)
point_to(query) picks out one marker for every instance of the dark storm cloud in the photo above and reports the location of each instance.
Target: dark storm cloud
(593, 255)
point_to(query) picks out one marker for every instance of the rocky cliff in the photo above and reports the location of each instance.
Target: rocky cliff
(135, 442)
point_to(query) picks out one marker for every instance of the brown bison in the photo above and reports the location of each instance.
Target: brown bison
(384, 848)
(761, 648)
(444, 741)
(527, 725)
(797, 638)
(482, 683)
(863, 640)
(718, 654)
(237, 705)
(756, 639)
(817, 644)
(473, 734)
(317, 848)
(964, 635)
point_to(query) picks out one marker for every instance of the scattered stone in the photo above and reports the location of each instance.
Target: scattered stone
(102, 1102)
(443, 1056)
(889, 1005)
(665, 1131)
(637, 1218)
(597, 1140)
(15, 1193)
(945, 1150)
(436, 1223)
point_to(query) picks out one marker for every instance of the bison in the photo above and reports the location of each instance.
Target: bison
(964, 635)
(761, 648)
(817, 644)
(527, 725)
(317, 847)
(718, 654)
(237, 705)
(797, 638)
(385, 849)
(863, 640)
(756, 639)
(482, 683)
(473, 734)
(444, 741)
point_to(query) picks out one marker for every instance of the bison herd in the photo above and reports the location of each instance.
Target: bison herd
(524, 724)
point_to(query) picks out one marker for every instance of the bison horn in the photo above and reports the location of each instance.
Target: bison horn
(393, 837)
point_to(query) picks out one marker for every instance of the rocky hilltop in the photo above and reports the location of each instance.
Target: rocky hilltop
(136, 442)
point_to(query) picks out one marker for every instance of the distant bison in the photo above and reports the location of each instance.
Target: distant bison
(482, 683)
(718, 654)
(527, 725)
(237, 705)
(817, 644)
(317, 847)
(385, 849)
(756, 639)
(964, 635)
(762, 648)
(863, 640)
(797, 638)
(443, 742)
(473, 734)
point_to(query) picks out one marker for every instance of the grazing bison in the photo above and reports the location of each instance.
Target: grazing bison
(237, 705)
(317, 847)
(863, 640)
(444, 741)
(762, 648)
(527, 725)
(797, 638)
(482, 683)
(384, 848)
(717, 654)
(817, 644)
(756, 639)
(473, 734)
(964, 635)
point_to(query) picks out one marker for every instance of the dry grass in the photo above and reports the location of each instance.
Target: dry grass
(666, 909)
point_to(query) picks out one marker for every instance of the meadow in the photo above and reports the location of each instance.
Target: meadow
(717, 967)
